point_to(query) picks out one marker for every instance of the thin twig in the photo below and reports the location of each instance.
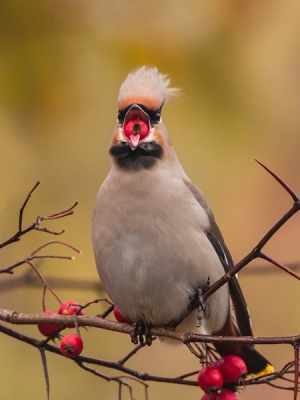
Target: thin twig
(131, 353)
(45, 368)
(36, 225)
(255, 252)
(24, 205)
(43, 280)
(33, 256)
(107, 311)
(281, 182)
(279, 265)
(296, 376)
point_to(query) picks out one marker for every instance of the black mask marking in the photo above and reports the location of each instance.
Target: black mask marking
(154, 115)
(143, 157)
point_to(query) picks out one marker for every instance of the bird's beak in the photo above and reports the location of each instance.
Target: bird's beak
(136, 126)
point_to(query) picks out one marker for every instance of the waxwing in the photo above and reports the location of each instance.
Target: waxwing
(155, 239)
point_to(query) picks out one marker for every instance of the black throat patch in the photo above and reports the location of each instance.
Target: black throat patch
(143, 157)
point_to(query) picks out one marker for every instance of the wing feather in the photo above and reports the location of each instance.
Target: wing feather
(216, 239)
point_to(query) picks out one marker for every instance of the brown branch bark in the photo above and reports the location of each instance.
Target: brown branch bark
(14, 317)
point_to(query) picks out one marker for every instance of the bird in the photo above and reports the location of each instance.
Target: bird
(156, 243)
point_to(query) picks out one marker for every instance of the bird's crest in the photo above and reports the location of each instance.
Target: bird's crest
(146, 86)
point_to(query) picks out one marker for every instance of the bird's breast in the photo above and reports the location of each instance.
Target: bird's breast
(150, 246)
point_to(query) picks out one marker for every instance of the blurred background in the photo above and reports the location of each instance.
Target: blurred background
(61, 66)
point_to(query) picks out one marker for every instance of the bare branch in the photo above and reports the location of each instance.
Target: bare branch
(24, 205)
(33, 256)
(14, 317)
(45, 368)
(279, 265)
(296, 376)
(36, 225)
(282, 183)
(256, 251)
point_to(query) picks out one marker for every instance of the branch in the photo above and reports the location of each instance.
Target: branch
(37, 224)
(119, 379)
(95, 361)
(139, 376)
(279, 265)
(14, 317)
(33, 256)
(256, 252)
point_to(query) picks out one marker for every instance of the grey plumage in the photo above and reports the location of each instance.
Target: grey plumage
(150, 247)
(154, 235)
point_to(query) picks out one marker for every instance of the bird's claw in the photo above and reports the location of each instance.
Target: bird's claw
(202, 305)
(141, 330)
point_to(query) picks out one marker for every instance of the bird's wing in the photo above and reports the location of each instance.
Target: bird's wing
(215, 237)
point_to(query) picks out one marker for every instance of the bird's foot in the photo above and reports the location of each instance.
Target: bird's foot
(202, 307)
(141, 334)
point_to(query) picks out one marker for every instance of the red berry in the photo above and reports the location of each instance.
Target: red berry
(232, 367)
(47, 329)
(120, 318)
(67, 308)
(210, 378)
(71, 346)
(227, 395)
(136, 126)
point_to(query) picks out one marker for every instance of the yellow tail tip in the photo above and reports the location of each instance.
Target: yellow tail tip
(268, 370)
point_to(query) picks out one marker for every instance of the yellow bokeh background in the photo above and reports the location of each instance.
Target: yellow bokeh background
(61, 65)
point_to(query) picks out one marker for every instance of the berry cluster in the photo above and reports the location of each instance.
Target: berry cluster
(71, 345)
(229, 369)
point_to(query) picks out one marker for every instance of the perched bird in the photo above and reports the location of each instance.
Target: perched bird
(155, 239)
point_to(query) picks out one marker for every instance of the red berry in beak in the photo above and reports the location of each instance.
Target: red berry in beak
(135, 132)
(136, 126)
(71, 346)
(232, 367)
(210, 378)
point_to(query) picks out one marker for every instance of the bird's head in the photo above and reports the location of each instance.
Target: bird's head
(138, 140)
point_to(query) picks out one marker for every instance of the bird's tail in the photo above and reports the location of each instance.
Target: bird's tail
(257, 364)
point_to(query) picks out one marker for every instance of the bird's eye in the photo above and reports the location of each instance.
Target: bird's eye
(121, 117)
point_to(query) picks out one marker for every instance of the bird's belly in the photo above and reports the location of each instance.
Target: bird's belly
(152, 255)
(152, 277)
